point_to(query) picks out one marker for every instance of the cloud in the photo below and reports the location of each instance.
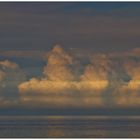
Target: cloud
(61, 84)
(133, 68)
(59, 65)
(97, 70)
(126, 92)
(129, 94)
(57, 94)
(10, 77)
(105, 81)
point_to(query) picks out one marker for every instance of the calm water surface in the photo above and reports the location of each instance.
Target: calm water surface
(70, 126)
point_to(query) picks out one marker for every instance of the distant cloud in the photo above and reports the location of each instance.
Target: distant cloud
(10, 76)
(80, 77)
(106, 81)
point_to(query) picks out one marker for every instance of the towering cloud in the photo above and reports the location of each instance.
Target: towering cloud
(59, 65)
(107, 80)
(60, 85)
(97, 69)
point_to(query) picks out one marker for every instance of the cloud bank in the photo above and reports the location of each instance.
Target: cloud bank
(108, 80)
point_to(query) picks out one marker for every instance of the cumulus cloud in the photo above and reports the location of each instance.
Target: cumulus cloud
(129, 94)
(59, 65)
(60, 84)
(97, 70)
(57, 94)
(107, 80)
(10, 77)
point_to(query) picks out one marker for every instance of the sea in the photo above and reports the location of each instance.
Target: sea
(70, 126)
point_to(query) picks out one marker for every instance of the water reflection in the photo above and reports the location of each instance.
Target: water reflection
(100, 127)
(55, 127)
(70, 127)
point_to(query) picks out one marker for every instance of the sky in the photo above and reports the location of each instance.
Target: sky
(96, 26)
(61, 55)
